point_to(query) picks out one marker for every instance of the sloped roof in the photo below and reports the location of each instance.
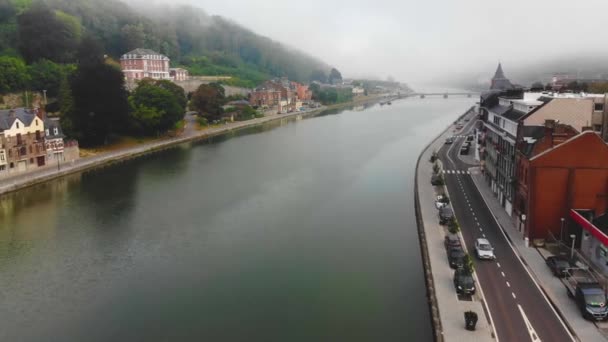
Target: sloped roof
(8, 117)
(499, 73)
(51, 124)
(576, 112)
(579, 138)
(143, 52)
(500, 81)
(514, 115)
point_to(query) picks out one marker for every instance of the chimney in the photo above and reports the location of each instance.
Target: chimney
(549, 128)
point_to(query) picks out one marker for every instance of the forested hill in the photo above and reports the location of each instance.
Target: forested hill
(204, 44)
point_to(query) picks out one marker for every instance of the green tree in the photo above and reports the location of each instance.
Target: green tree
(100, 106)
(598, 88)
(46, 75)
(42, 35)
(178, 92)
(318, 75)
(154, 109)
(335, 77)
(207, 100)
(13, 75)
(132, 36)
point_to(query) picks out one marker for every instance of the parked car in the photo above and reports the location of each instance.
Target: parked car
(464, 282)
(456, 257)
(449, 140)
(446, 215)
(467, 120)
(451, 241)
(436, 180)
(442, 201)
(470, 137)
(464, 150)
(559, 265)
(484, 249)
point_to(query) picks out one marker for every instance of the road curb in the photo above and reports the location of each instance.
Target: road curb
(525, 263)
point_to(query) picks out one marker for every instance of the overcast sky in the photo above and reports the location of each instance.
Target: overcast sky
(419, 41)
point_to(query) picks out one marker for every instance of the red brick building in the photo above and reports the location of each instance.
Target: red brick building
(279, 94)
(558, 173)
(144, 63)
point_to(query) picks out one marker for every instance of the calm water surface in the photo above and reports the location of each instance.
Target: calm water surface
(295, 231)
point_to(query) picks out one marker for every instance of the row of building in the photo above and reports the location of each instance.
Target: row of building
(545, 157)
(30, 140)
(281, 94)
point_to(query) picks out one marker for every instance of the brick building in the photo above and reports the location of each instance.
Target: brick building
(21, 141)
(280, 94)
(178, 74)
(558, 174)
(144, 63)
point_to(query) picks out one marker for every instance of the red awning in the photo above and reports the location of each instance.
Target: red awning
(588, 226)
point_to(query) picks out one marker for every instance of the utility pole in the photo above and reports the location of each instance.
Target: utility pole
(44, 92)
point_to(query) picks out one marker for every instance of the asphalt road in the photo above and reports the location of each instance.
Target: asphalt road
(518, 309)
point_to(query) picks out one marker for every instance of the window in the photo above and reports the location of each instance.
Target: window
(597, 128)
(31, 149)
(599, 107)
(12, 165)
(19, 141)
(31, 160)
(55, 131)
(37, 135)
(1, 156)
(46, 131)
(17, 125)
(36, 121)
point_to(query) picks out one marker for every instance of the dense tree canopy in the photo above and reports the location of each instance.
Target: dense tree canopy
(13, 74)
(207, 100)
(154, 108)
(100, 104)
(335, 77)
(43, 34)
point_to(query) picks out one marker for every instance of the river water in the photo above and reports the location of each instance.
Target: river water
(293, 231)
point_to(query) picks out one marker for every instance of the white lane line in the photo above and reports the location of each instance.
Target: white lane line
(498, 264)
(533, 336)
(513, 294)
(484, 235)
(502, 273)
(508, 285)
(481, 230)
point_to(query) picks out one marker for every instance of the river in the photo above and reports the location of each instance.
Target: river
(293, 231)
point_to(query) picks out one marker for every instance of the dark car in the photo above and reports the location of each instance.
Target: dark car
(449, 141)
(464, 150)
(464, 282)
(456, 257)
(470, 137)
(446, 215)
(452, 241)
(437, 180)
(558, 265)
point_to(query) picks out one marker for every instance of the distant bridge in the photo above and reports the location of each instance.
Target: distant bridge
(445, 95)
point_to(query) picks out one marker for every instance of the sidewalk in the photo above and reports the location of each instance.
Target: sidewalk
(553, 288)
(451, 309)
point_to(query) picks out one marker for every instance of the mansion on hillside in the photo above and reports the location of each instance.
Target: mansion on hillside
(144, 63)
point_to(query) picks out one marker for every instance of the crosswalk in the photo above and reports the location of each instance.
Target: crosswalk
(456, 172)
(458, 136)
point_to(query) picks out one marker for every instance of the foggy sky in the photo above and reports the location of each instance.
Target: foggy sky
(421, 41)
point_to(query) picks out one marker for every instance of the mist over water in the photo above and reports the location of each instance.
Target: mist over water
(294, 231)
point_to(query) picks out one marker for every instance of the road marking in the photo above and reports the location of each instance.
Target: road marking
(481, 230)
(503, 274)
(508, 285)
(513, 294)
(484, 235)
(498, 264)
(531, 331)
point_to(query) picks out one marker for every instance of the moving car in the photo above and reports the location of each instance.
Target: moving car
(452, 241)
(456, 257)
(470, 137)
(484, 249)
(464, 150)
(464, 282)
(559, 265)
(446, 215)
(449, 141)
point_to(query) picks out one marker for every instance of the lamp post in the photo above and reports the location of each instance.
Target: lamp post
(561, 231)
(573, 237)
(44, 92)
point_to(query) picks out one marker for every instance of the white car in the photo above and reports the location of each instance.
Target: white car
(439, 203)
(484, 249)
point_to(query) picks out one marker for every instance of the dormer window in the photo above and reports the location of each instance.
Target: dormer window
(55, 131)
(17, 124)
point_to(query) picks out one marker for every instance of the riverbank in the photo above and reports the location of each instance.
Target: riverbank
(447, 309)
(20, 181)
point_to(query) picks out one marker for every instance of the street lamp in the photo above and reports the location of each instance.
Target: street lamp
(561, 231)
(573, 237)
(523, 220)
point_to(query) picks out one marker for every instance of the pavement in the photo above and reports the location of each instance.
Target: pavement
(451, 308)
